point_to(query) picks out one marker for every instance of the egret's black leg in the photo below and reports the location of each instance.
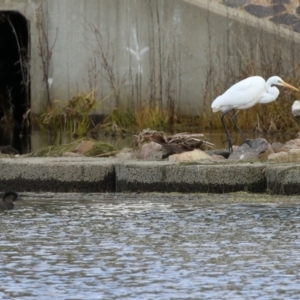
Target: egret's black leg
(233, 119)
(226, 131)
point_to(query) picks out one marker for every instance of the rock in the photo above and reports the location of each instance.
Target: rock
(190, 156)
(126, 154)
(298, 10)
(263, 11)
(286, 19)
(292, 144)
(296, 108)
(72, 154)
(276, 146)
(172, 149)
(259, 149)
(218, 152)
(9, 150)
(280, 156)
(150, 151)
(84, 147)
(296, 27)
(264, 155)
(217, 157)
(292, 155)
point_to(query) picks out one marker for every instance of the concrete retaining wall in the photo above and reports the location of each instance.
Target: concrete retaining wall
(189, 178)
(173, 50)
(57, 175)
(112, 175)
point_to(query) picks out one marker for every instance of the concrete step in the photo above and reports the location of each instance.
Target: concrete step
(112, 175)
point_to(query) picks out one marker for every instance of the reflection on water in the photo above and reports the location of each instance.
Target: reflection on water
(114, 246)
(34, 139)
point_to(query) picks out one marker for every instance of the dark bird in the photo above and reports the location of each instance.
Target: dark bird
(8, 200)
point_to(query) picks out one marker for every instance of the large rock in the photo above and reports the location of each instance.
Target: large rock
(292, 155)
(126, 154)
(259, 149)
(84, 147)
(190, 156)
(150, 151)
(292, 144)
(261, 11)
(9, 150)
(277, 146)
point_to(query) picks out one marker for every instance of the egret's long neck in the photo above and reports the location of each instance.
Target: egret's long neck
(270, 95)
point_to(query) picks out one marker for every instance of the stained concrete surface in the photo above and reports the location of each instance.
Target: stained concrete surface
(100, 175)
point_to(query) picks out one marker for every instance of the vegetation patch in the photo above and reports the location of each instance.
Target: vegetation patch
(99, 149)
(73, 118)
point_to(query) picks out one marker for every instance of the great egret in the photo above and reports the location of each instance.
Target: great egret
(296, 108)
(246, 94)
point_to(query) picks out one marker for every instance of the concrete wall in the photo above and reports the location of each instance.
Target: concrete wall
(186, 51)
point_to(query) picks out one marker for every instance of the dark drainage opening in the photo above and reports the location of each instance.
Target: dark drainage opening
(14, 67)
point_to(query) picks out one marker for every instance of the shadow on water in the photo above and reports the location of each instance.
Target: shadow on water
(33, 139)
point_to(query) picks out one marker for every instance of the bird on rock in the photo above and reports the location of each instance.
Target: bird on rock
(245, 94)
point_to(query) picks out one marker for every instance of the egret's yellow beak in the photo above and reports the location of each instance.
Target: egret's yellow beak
(290, 86)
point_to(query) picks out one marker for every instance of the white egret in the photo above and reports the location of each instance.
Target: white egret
(296, 108)
(246, 94)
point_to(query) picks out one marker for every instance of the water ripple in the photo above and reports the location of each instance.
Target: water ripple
(149, 246)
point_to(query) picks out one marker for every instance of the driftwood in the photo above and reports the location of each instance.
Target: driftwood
(172, 143)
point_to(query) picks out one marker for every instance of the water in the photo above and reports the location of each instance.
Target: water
(146, 246)
(35, 139)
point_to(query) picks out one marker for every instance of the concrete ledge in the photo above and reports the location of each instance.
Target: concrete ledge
(57, 174)
(189, 178)
(283, 179)
(111, 175)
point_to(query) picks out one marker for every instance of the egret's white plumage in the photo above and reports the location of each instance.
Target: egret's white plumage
(296, 108)
(246, 94)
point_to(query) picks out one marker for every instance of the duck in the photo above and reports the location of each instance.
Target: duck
(8, 200)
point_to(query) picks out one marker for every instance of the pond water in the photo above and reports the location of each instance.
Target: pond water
(146, 246)
(35, 139)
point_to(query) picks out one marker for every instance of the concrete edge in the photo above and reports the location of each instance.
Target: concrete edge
(246, 18)
(94, 175)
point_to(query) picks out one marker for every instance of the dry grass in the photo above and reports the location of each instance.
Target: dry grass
(99, 149)
(147, 117)
(252, 56)
(242, 54)
(142, 117)
(73, 118)
(267, 118)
